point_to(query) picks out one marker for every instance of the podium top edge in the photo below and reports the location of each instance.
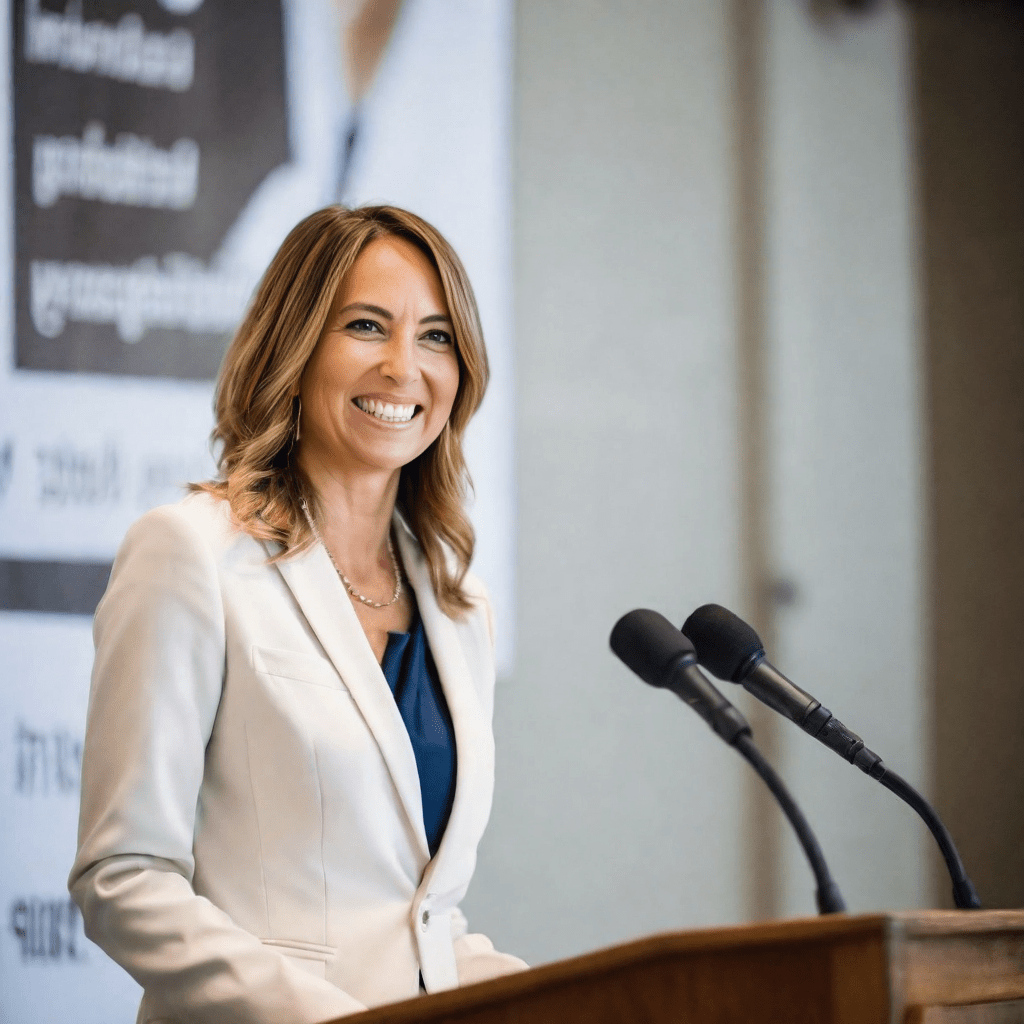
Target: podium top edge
(905, 922)
(833, 929)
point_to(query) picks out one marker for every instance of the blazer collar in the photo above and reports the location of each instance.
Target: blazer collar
(473, 741)
(324, 602)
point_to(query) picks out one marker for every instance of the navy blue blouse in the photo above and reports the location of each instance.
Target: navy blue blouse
(412, 675)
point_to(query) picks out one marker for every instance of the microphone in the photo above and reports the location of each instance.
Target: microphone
(661, 656)
(731, 649)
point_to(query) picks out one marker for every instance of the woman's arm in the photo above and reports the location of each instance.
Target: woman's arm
(157, 678)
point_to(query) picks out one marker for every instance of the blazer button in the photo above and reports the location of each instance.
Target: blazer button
(425, 919)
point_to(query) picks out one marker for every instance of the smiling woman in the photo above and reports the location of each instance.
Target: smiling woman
(292, 323)
(288, 761)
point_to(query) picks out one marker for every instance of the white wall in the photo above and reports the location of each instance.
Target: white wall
(616, 808)
(846, 434)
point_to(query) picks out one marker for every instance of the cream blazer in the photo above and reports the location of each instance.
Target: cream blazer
(251, 840)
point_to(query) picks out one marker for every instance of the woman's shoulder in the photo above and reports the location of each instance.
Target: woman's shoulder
(199, 520)
(472, 586)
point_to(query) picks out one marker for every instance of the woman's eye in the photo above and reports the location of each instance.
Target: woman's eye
(438, 338)
(364, 326)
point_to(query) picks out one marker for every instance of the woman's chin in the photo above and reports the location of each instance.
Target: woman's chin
(380, 457)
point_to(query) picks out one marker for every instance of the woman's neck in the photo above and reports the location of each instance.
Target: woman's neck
(355, 517)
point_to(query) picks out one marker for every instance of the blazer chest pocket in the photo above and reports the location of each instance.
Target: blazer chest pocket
(298, 667)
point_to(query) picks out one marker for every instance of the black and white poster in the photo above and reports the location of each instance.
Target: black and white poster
(139, 137)
(159, 152)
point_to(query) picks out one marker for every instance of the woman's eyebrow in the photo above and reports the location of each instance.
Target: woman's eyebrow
(435, 318)
(379, 310)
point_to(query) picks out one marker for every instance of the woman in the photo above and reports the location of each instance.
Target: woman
(275, 826)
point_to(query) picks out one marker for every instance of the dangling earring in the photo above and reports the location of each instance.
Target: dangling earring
(296, 432)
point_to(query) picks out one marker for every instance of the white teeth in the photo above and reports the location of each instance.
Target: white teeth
(386, 411)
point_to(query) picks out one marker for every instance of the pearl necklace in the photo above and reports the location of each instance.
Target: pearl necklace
(344, 579)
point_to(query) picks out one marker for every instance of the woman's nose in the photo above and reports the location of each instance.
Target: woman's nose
(399, 358)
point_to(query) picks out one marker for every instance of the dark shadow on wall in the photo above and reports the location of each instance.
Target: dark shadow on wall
(968, 63)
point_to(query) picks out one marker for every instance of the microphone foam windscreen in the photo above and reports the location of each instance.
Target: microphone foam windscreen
(724, 642)
(649, 644)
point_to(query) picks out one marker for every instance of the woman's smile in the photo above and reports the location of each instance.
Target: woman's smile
(387, 410)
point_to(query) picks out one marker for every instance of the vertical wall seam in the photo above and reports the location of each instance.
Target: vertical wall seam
(749, 41)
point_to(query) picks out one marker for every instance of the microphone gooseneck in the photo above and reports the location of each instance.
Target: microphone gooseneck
(827, 896)
(648, 644)
(731, 649)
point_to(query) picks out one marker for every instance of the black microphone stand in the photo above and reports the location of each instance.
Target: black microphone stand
(828, 896)
(965, 896)
(825, 727)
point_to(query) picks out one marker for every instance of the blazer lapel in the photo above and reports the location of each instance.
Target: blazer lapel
(473, 742)
(321, 595)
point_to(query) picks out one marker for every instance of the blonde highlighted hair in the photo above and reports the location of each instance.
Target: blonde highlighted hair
(256, 407)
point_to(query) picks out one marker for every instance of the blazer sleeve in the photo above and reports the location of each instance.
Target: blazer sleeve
(156, 685)
(476, 959)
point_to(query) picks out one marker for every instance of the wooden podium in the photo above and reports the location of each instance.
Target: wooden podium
(926, 967)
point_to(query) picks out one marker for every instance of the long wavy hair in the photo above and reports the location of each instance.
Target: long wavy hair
(257, 411)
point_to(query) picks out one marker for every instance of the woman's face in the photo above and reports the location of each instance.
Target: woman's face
(380, 384)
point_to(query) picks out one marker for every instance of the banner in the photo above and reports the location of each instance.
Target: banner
(162, 149)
